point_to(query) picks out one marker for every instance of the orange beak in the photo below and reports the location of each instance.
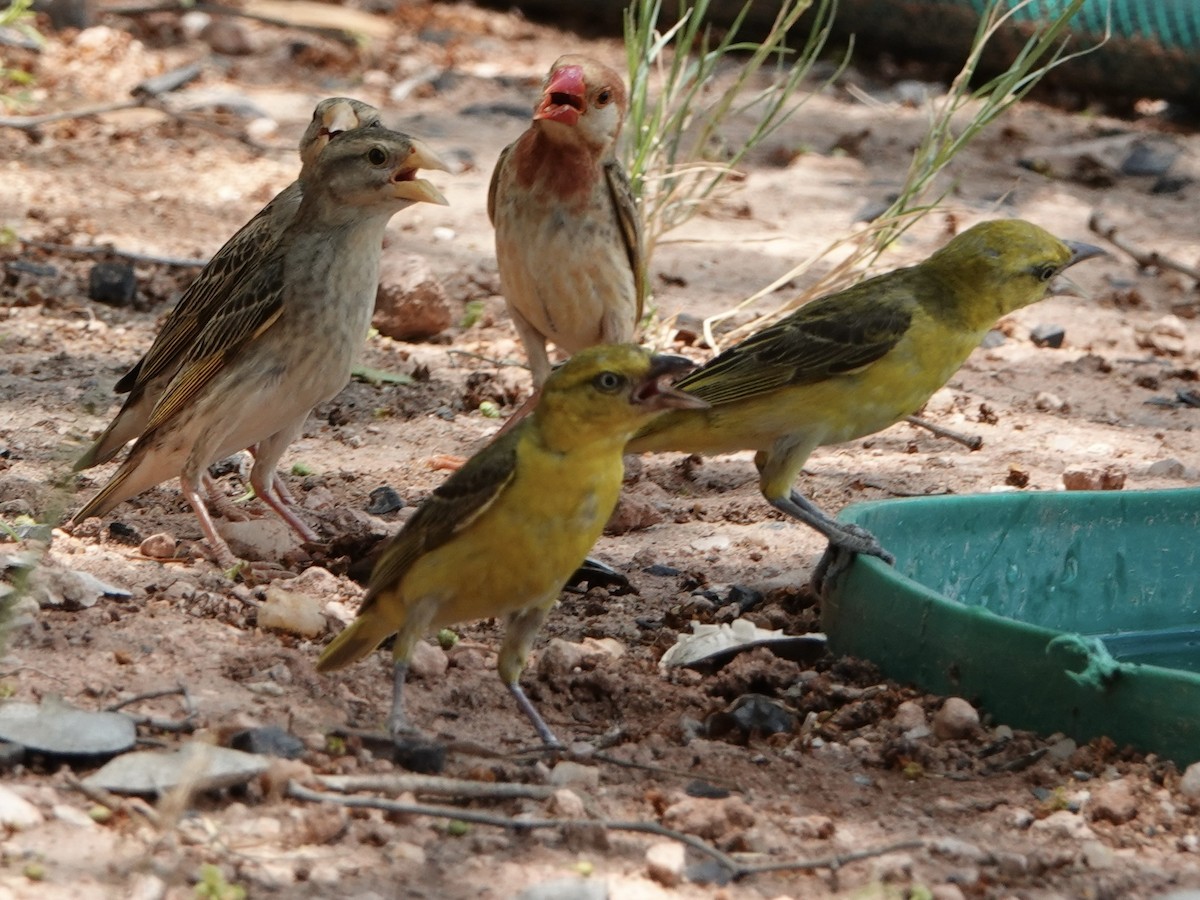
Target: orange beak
(563, 96)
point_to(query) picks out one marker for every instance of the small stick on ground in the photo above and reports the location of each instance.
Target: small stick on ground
(460, 788)
(736, 869)
(129, 807)
(1146, 259)
(186, 725)
(132, 256)
(970, 441)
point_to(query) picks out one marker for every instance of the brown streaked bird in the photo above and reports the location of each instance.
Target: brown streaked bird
(501, 535)
(220, 279)
(286, 336)
(568, 233)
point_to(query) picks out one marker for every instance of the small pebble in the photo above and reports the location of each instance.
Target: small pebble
(158, 546)
(955, 720)
(1048, 336)
(1189, 783)
(112, 283)
(665, 862)
(384, 500)
(291, 611)
(428, 661)
(1082, 478)
(268, 741)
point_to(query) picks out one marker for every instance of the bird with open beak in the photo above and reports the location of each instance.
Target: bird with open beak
(568, 233)
(501, 535)
(285, 337)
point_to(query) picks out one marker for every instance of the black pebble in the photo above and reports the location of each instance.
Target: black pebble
(124, 534)
(419, 755)
(1048, 335)
(112, 283)
(704, 790)
(384, 500)
(269, 741)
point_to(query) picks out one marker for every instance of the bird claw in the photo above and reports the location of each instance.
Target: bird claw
(840, 553)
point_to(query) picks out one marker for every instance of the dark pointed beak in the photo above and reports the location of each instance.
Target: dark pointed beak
(652, 393)
(1062, 284)
(1081, 251)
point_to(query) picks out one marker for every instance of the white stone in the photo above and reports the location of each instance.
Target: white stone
(17, 812)
(665, 862)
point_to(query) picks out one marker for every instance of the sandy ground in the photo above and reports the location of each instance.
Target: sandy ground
(1094, 821)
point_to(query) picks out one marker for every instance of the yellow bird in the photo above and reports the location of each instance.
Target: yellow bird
(852, 363)
(501, 535)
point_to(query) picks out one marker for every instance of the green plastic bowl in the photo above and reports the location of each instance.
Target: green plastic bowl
(1076, 612)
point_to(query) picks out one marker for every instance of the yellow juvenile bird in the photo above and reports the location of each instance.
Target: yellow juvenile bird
(285, 338)
(852, 363)
(569, 241)
(501, 535)
(218, 282)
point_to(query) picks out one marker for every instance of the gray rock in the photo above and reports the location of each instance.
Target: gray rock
(268, 741)
(61, 730)
(69, 590)
(1167, 468)
(566, 889)
(202, 766)
(267, 538)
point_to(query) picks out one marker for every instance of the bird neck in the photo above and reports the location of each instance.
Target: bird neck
(562, 430)
(564, 166)
(960, 296)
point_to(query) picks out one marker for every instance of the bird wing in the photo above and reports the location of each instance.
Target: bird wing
(631, 226)
(240, 318)
(495, 182)
(829, 336)
(453, 506)
(204, 296)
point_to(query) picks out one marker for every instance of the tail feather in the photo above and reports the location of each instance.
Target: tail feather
(362, 636)
(127, 425)
(108, 497)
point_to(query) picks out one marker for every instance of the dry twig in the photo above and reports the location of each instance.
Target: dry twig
(970, 441)
(735, 869)
(131, 807)
(1146, 259)
(461, 788)
(132, 256)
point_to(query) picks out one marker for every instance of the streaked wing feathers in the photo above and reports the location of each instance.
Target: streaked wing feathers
(829, 336)
(203, 298)
(494, 184)
(239, 319)
(631, 227)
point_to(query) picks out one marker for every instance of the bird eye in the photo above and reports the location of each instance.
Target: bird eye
(608, 382)
(1045, 273)
(376, 156)
(604, 97)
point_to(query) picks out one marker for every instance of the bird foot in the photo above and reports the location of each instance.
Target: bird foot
(852, 540)
(253, 572)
